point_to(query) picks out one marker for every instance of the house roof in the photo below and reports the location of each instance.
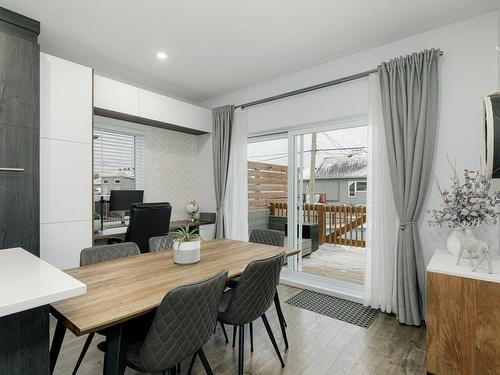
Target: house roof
(97, 180)
(345, 166)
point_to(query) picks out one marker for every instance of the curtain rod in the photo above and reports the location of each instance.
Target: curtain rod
(311, 88)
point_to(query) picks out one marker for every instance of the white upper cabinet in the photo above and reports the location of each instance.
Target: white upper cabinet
(116, 96)
(192, 116)
(119, 97)
(157, 107)
(65, 100)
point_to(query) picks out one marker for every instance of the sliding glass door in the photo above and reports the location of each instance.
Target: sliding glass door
(326, 207)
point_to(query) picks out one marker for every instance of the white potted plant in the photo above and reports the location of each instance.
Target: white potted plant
(465, 206)
(186, 246)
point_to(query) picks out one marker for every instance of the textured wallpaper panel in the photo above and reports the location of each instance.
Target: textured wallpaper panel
(171, 169)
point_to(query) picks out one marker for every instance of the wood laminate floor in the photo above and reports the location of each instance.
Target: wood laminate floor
(318, 345)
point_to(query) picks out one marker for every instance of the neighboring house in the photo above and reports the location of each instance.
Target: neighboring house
(119, 181)
(342, 179)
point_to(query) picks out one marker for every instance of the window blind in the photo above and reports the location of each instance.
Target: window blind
(118, 161)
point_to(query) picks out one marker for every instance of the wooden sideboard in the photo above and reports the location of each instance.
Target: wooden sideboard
(463, 318)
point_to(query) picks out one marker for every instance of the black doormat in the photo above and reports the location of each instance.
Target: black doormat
(333, 307)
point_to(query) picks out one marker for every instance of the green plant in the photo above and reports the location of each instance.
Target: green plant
(183, 234)
(96, 216)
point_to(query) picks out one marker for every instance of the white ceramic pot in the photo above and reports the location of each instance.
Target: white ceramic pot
(186, 252)
(97, 225)
(455, 241)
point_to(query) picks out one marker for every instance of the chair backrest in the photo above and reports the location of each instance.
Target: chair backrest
(268, 237)
(160, 243)
(98, 254)
(183, 323)
(254, 293)
(147, 220)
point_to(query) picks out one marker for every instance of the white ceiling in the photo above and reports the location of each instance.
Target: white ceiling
(216, 46)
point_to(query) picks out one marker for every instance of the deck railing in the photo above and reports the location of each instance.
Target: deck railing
(337, 224)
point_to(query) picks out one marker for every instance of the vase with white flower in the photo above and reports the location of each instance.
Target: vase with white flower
(466, 205)
(186, 246)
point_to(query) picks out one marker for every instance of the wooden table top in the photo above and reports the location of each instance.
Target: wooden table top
(121, 289)
(120, 231)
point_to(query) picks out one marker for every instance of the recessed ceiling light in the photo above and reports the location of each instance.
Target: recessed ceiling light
(161, 56)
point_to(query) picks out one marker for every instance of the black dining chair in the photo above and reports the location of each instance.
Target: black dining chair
(146, 220)
(251, 298)
(98, 254)
(273, 238)
(182, 324)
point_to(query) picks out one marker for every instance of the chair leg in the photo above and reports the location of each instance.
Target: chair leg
(179, 368)
(277, 303)
(205, 363)
(224, 331)
(271, 336)
(234, 335)
(281, 319)
(192, 363)
(251, 336)
(88, 341)
(241, 355)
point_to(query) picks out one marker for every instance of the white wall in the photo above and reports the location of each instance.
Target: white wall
(65, 160)
(171, 164)
(468, 71)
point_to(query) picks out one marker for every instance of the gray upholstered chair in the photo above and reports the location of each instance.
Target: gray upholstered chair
(98, 254)
(268, 237)
(161, 243)
(251, 298)
(183, 323)
(273, 238)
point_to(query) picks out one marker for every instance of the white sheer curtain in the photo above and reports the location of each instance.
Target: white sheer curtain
(382, 219)
(236, 204)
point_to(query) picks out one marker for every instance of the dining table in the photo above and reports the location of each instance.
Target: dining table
(126, 288)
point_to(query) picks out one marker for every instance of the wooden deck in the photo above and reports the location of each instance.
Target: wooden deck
(342, 263)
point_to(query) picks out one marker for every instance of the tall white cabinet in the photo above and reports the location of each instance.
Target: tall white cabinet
(66, 112)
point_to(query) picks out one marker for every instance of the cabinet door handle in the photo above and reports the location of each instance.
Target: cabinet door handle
(11, 169)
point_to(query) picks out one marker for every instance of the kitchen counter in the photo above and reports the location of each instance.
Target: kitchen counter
(27, 281)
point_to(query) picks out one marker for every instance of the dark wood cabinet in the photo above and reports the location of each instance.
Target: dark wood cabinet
(19, 132)
(24, 336)
(24, 342)
(19, 79)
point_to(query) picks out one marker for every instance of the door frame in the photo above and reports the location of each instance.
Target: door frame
(292, 275)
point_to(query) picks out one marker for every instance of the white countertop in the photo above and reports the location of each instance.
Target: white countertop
(444, 262)
(26, 282)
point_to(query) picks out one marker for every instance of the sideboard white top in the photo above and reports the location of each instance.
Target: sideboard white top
(26, 282)
(444, 262)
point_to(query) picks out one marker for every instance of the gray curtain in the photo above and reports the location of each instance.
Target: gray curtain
(221, 140)
(409, 88)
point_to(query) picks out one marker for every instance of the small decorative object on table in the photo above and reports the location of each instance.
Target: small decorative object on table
(465, 206)
(186, 247)
(97, 222)
(192, 208)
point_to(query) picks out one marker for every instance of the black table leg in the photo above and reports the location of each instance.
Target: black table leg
(115, 356)
(56, 345)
